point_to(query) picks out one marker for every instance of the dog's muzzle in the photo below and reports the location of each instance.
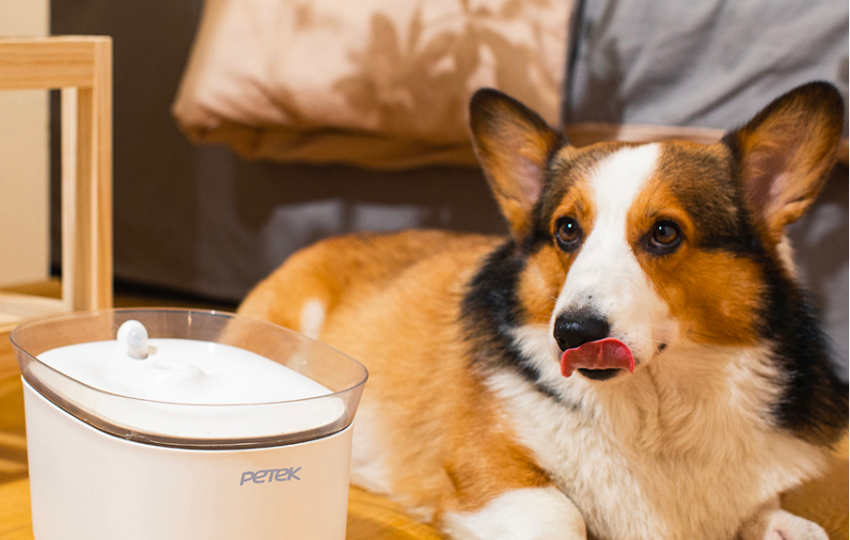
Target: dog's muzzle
(587, 347)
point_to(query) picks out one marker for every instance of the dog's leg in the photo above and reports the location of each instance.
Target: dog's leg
(522, 514)
(774, 523)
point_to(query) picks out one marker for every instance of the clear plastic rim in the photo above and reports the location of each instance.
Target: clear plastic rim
(19, 337)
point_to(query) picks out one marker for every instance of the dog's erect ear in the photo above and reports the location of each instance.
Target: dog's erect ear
(786, 152)
(513, 145)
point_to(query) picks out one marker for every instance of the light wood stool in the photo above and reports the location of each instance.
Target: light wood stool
(81, 67)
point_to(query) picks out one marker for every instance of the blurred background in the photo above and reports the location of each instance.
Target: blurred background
(247, 129)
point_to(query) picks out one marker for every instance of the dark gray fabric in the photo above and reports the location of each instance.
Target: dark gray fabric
(711, 63)
(716, 63)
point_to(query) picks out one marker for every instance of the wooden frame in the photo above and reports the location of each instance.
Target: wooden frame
(81, 67)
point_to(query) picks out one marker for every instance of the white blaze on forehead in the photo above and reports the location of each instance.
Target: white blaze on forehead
(605, 275)
(615, 184)
(618, 180)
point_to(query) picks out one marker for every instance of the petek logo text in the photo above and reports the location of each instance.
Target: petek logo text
(270, 475)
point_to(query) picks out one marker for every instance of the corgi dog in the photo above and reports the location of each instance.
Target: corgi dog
(635, 360)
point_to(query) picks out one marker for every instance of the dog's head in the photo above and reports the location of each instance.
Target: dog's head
(633, 250)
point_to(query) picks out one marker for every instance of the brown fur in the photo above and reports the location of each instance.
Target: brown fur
(395, 301)
(540, 283)
(784, 164)
(715, 293)
(439, 400)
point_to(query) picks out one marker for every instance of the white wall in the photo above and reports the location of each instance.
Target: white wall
(24, 160)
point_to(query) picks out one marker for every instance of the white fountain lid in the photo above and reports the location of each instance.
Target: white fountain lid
(180, 371)
(187, 389)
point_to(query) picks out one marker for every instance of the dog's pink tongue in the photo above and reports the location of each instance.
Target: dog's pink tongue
(606, 353)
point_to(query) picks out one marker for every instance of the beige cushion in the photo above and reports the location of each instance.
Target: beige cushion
(377, 83)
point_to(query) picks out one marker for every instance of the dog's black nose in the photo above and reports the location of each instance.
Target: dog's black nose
(573, 329)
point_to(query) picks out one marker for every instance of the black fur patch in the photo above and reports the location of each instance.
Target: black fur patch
(813, 402)
(491, 310)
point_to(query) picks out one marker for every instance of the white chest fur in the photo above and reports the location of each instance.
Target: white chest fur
(643, 459)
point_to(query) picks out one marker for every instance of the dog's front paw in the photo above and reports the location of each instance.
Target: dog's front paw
(777, 524)
(791, 527)
(524, 514)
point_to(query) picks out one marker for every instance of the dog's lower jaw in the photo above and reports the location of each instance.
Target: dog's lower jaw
(600, 374)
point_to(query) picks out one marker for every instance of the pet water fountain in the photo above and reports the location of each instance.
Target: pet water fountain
(175, 425)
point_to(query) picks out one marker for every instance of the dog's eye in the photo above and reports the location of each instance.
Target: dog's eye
(568, 234)
(665, 237)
